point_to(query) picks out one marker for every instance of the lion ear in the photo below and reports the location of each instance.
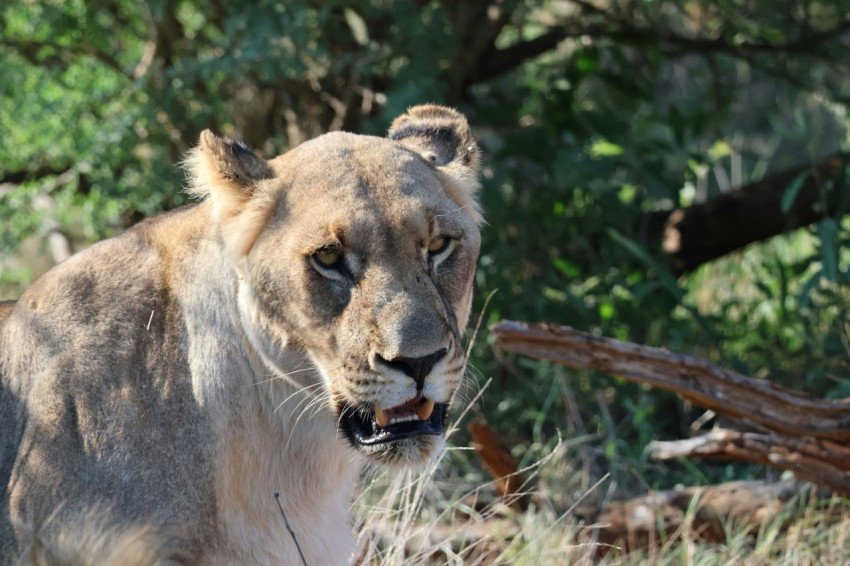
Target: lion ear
(226, 170)
(440, 135)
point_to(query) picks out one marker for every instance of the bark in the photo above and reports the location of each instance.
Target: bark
(824, 462)
(781, 428)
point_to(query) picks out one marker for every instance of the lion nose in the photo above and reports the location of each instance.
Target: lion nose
(416, 368)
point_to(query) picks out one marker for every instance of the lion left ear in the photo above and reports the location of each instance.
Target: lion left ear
(442, 136)
(226, 170)
(229, 174)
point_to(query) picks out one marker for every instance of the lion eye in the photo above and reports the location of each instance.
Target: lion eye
(438, 245)
(328, 257)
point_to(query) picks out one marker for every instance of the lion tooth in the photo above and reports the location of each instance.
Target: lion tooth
(381, 418)
(425, 409)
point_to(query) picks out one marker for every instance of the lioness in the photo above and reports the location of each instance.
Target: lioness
(302, 319)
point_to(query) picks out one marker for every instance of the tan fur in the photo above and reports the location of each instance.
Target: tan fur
(6, 309)
(183, 373)
(92, 540)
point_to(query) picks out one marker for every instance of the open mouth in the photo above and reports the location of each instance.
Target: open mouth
(418, 417)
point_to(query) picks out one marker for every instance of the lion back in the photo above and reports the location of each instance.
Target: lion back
(93, 385)
(8, 439)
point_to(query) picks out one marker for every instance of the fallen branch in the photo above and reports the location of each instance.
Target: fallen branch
(767, 404)
(703, 513)
(821, 461)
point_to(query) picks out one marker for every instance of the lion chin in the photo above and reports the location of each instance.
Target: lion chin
(304, 318)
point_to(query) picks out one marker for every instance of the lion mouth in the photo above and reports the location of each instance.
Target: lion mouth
(370, 427)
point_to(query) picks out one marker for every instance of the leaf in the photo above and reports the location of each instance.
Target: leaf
(827, 230)
(604, 148)
(358, 26)
(791, 192)
(587, 63)
(568, 268)
(664, 274)
(720, 149)
(804, 297)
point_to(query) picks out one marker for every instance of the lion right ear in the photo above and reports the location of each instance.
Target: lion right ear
(226, 170)
(442, 136)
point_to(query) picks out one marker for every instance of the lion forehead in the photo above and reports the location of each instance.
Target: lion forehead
(345, 182)
(356, 167)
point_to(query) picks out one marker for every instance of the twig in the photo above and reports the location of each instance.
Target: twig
(289, 528)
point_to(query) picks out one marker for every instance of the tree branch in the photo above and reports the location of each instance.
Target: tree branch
(477, 25)
(498, 460)
(507, 59)
(774, 407)
(608, 25)
(18, 177)
(823, 462)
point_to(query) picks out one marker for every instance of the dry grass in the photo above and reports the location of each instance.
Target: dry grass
(432, 519)
(439, 517)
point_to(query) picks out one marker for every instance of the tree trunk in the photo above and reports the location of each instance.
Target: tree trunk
(703, 232)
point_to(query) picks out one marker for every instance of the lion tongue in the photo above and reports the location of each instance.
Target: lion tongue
(422, 407)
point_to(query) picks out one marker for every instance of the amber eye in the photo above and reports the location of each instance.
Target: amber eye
(438, 245)
(328, 257)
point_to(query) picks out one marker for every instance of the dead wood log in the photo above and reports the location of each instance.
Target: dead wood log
(704, 513)
(774, 407)
(783, 428)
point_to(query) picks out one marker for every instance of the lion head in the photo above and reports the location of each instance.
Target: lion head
(358, 252)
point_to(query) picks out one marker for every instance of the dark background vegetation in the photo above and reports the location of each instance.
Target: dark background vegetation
(597, 118)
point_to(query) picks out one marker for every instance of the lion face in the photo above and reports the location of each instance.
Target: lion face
(364, 260)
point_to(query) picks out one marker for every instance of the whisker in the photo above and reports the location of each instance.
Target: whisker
(304, 389)
(281, 377)
(316, 402)
(480, 320)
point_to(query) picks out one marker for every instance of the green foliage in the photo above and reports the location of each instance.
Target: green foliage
(625, 110)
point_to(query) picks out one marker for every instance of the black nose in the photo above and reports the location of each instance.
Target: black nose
(416, 368)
